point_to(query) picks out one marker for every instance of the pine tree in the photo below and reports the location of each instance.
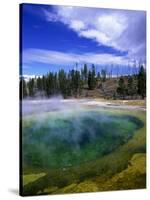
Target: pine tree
(44, 84)
(132, 86)
(98, 76)
(90, 81)
(49, 84)
(39, 84)
(31, 88)
(93, 70)
(121, 90)
(68, 85)
(103, 75)
(23, 89)
(93, 76)
(142, 82)
(55, 79)
(85, 71)
(62, 82)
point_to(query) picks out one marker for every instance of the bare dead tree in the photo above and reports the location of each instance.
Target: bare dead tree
(134, 67)
(117, 69)
(129, 68)
(111, 70)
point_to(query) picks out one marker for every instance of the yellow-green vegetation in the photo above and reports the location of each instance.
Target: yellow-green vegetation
(31, 178)
(86, 186)
(136, 102)
(48, 190)
(132, 102)
(138, 162)
(133, 175)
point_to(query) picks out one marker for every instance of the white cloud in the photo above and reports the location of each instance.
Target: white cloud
(112, 25)
(51, 16)
(77, 25)
(94, 34)
(55, 57)
(120, 29)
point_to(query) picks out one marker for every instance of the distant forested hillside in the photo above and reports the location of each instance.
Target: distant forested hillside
(86, 83)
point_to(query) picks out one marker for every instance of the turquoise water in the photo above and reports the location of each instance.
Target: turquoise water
(64, 139)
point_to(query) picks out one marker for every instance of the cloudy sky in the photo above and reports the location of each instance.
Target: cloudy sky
(55, 37)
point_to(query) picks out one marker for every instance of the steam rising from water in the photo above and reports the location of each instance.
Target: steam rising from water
(37, 106)
(66, 132)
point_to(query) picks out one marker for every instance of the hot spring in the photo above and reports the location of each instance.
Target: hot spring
(64, 139)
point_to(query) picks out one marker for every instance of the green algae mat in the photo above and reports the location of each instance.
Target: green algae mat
(83, 150)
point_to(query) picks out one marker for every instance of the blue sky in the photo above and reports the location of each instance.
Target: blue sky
(55, 37)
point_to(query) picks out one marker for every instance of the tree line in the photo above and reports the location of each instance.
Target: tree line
(66, 83)
(132, 86)
(72, 83)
